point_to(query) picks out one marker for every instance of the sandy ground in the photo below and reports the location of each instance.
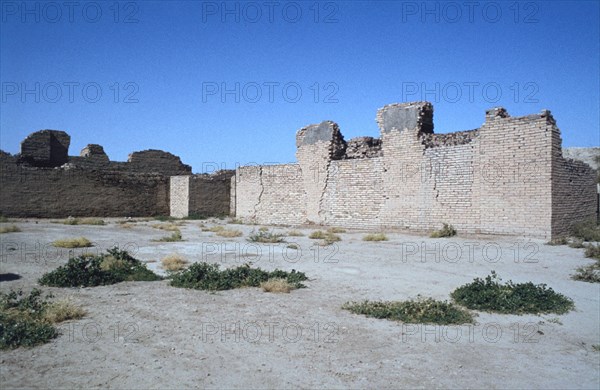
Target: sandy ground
(151, 335)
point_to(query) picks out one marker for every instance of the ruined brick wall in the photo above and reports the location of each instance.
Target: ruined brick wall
(271, 194)
(43, 181)
(62, 192)
(506, 177)
(201, 195)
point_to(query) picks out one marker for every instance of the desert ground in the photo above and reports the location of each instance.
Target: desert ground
(151, 335)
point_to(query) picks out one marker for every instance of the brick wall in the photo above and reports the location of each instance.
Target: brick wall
(507, 177)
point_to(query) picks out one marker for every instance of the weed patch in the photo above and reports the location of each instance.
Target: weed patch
(204, 276)
(277, 285)
(27, 320)
(419, 311)
(445, 231)
(174, 237)
(511, 298)
(264, 236)
(89, 271)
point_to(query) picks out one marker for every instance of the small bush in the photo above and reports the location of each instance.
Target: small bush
(9, 229)
(523, 298)
(170, 227)
(558, 241)
(589, 273)
(336, 230)
(445, 231)
(375, 237)
(293, 246)
(216, 229)
(235, 221)
(587, 231)
(83, 221)
(80, 242)
(174, 263)
(419, 311)
(89, 271)
(26, 320)
(576, 243)
(295, 233)
(3, 218)
(593, 251)
(229, 233)
(327, 237)
(277, 285)
(266, 237)
(204, 276)
(174, 237)
(317, 235)
(164, 218)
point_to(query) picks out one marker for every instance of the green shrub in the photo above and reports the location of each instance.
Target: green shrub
(204, 276)
(9, 229)
(587, 231)
(89, 271)
(445, 231)
(3, 218)
(419, 311)
(80, 242)
(375, 237)
(523, 298)
(26, 320)
(263, 236)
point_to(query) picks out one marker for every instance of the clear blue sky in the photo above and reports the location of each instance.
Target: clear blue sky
(151, 74)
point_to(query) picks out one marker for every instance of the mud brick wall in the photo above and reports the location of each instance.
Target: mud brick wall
(60, 192)
(506, 177)
(271, 194)
(201, 195)
(44, 181)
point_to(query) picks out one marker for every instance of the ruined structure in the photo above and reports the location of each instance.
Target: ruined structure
(507, 177)
(44, 181)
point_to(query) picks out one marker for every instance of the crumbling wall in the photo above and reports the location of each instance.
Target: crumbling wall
(44, 181)
(506, 177)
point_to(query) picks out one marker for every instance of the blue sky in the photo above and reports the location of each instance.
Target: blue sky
(226, 84)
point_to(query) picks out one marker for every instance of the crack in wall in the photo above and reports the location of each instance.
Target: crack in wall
(323, 191)
(262, 190)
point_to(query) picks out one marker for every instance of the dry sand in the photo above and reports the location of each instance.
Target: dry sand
(150, 335)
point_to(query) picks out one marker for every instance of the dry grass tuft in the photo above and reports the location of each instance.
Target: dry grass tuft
(295, 233)
(63, 310)
(229, 233)
(375, 237)
(336, 230)
(174, 263)
(80, 242)
(277, 285)
(9, 229)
